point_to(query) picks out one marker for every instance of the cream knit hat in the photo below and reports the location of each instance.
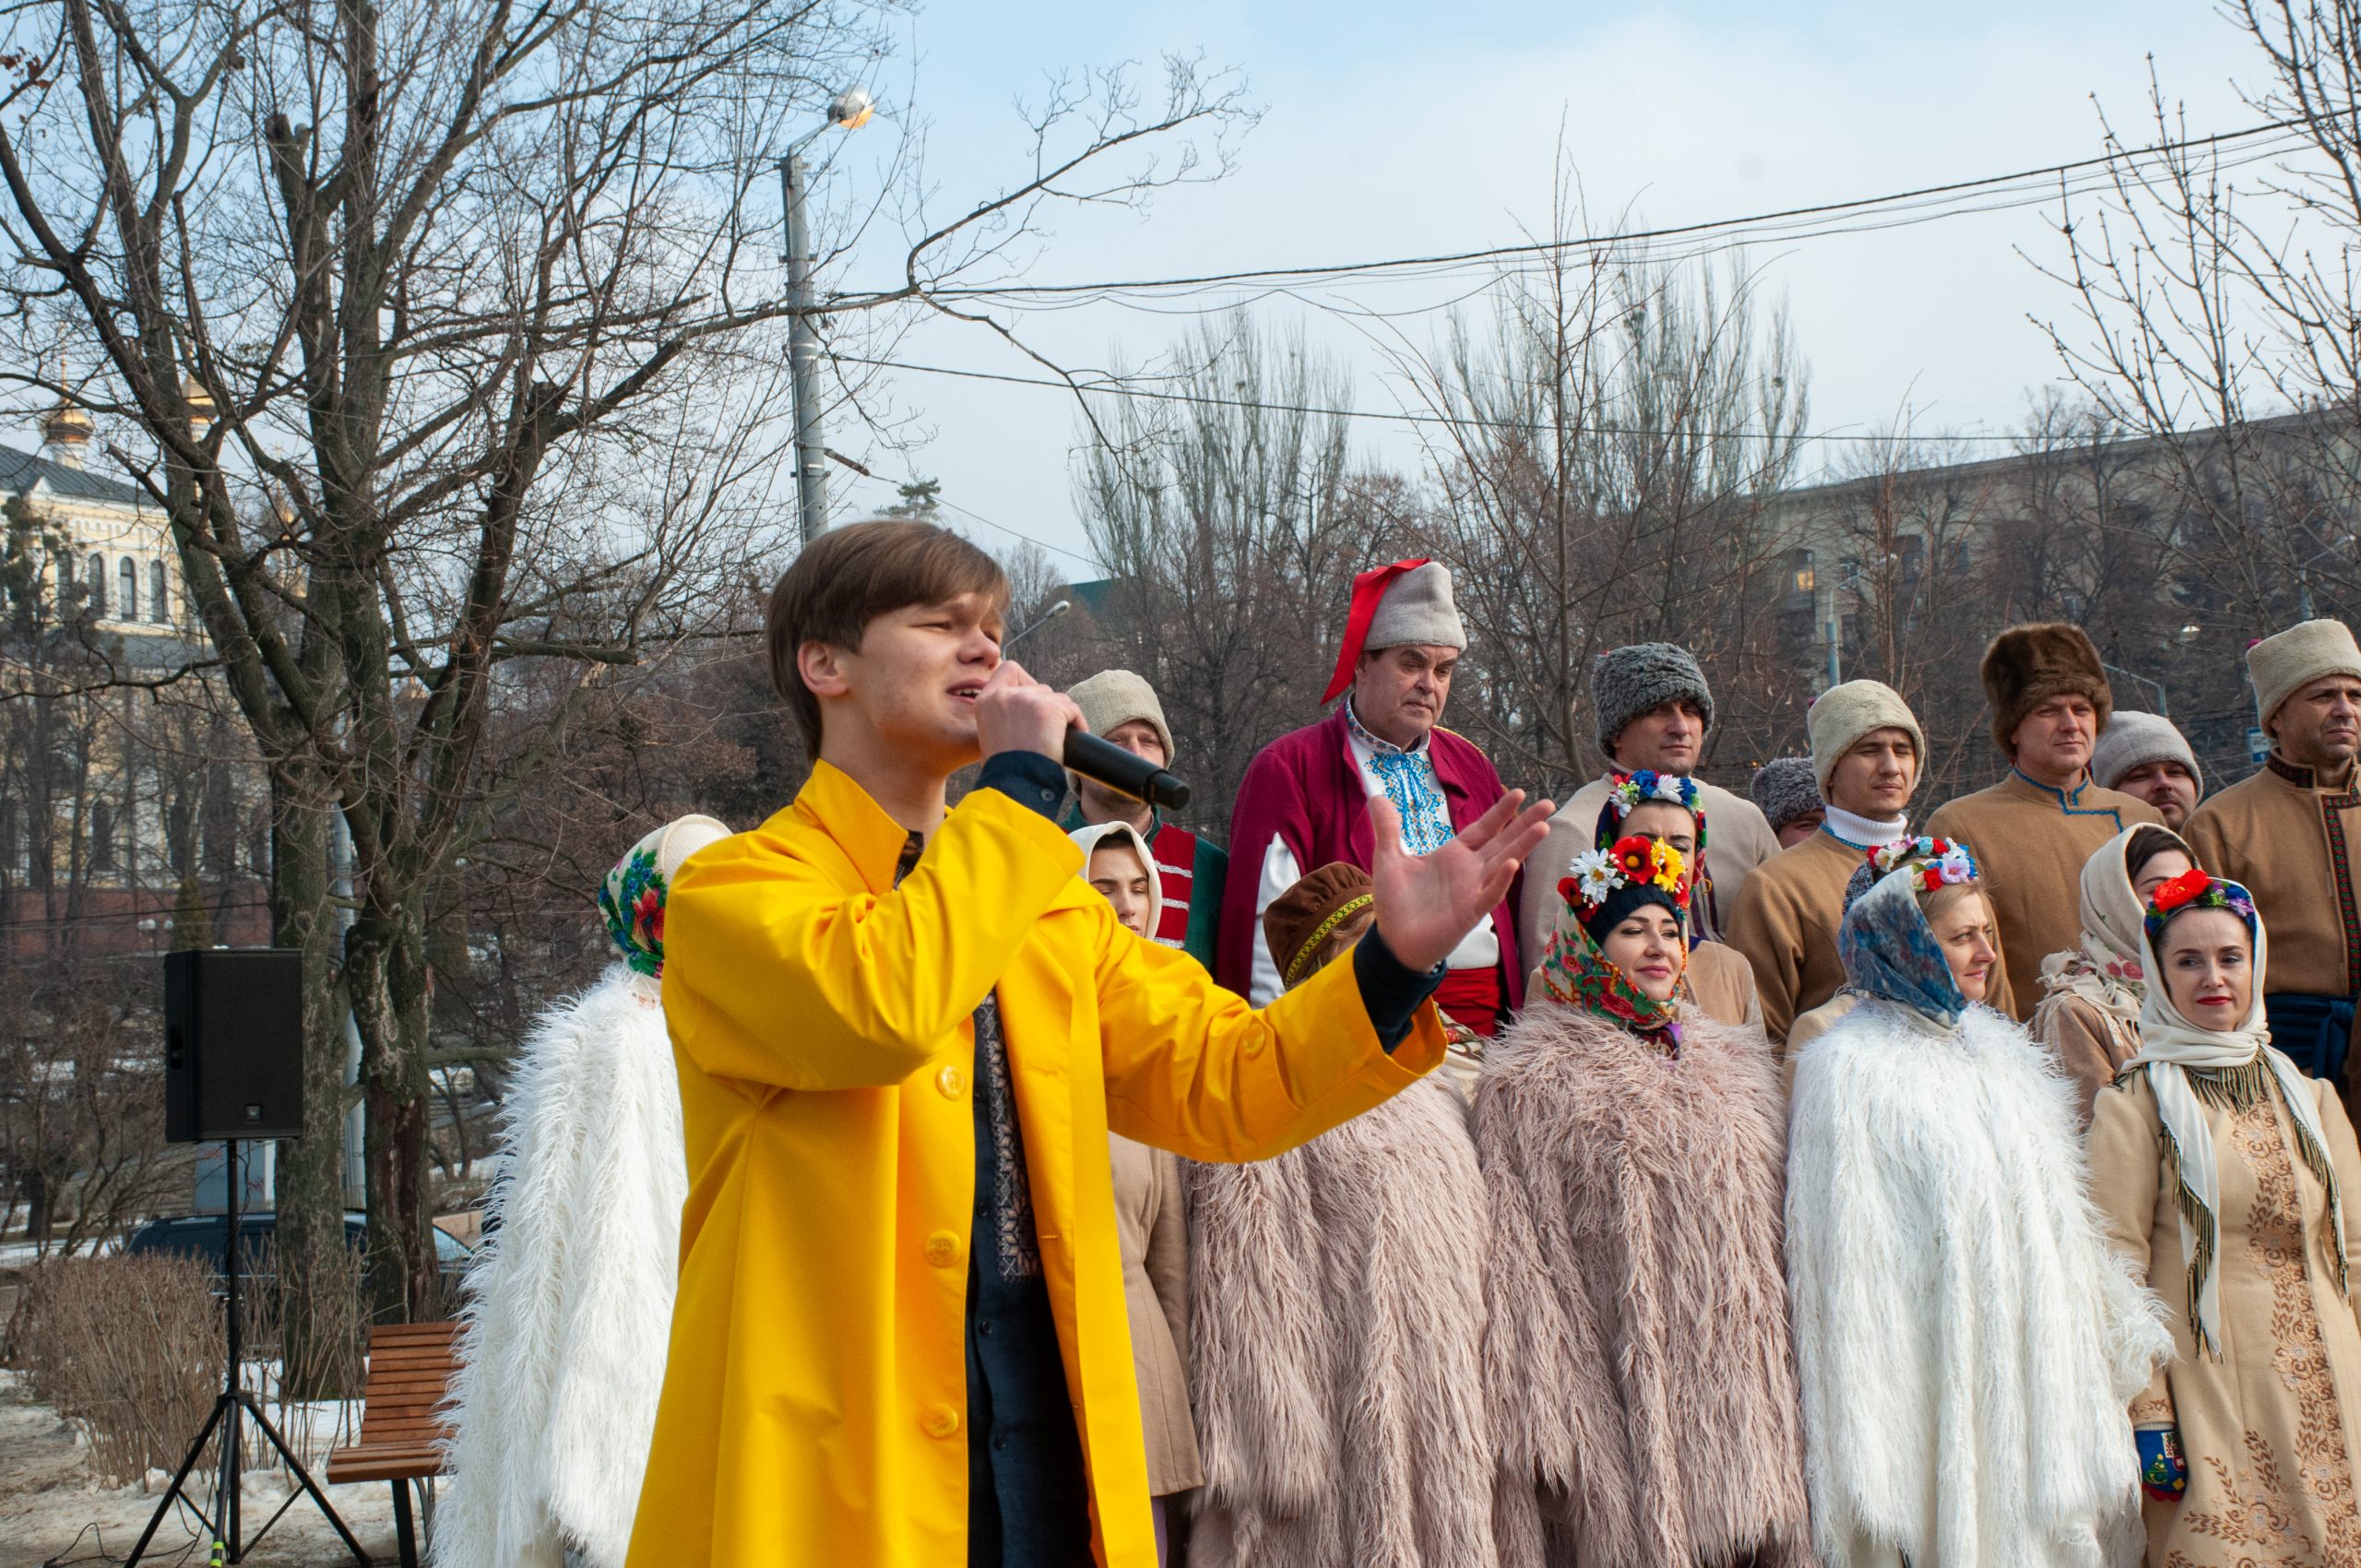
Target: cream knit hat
(1117, 696)
(1841, 714)
(2279, 665)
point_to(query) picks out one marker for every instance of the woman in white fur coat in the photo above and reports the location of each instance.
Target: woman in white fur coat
(570, 1300)
(1966, 1340)
(1337, 1315)
(1637, 1363)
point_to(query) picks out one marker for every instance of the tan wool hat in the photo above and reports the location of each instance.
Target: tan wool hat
(2283, 664)
(1841, 714)
(1117, 696)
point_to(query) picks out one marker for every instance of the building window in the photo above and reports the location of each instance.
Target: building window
(158, 610)
(102, 833)
(94, 587)
(126, 582)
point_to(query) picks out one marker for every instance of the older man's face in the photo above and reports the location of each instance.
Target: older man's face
(2166, 786)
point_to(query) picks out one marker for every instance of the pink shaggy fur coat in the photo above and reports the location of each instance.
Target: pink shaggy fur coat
(1637, 1366)
(1337, 1305)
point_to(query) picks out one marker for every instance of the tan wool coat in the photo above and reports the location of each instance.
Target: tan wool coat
(1737, 839)
(1152, 1227)
(2289, 842)
(1786, 924)
(2031, 842)
(1721, 984)
(2270, 1430)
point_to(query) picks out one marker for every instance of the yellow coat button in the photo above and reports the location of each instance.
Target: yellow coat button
(941, 1420)
(952, 1082)
(943, 1249)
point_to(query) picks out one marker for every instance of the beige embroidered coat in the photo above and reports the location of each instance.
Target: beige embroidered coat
(2090, 1042)
(1152, 1227)
(2031, 842)
(2270, 1430)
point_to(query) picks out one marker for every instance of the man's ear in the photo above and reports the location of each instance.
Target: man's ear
(821, 667)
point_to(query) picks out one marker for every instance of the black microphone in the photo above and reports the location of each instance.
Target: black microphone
(1125, 772)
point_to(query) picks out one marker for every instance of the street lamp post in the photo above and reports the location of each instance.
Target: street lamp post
(2163, 709)
(850, 110)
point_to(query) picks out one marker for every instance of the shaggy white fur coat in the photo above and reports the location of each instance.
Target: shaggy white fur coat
(1337, 1310)
(570, 1301)
(1637, 1361)
(1969, 1343)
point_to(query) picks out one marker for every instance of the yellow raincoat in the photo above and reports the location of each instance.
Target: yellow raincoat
(815, 1396)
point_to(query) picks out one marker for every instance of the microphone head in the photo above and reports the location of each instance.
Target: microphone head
(1167, 791)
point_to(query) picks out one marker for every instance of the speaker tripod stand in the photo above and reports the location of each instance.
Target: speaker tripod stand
(231, 1408)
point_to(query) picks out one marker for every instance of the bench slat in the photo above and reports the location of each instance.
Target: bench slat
(403, 1398)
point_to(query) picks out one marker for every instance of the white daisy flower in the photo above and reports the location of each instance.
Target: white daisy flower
(1596, 873)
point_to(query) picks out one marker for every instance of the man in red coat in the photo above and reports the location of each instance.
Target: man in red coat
(1304, 801)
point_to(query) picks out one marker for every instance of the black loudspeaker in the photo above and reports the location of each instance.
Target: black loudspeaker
(233, 1044)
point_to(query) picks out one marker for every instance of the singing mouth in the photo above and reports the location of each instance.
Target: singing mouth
(968, 691)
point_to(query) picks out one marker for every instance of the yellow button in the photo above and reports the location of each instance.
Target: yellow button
(1254, 1043)
(943, 1249)
(939, 1420)
(952, 1082)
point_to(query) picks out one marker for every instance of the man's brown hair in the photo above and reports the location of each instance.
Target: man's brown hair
(850, 575)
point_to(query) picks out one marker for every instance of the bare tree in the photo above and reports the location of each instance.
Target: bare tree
(1231, 521)
(447, 338)
(1610, 441)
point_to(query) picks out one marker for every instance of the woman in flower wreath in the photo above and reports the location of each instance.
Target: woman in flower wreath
(1718, 981)
(1967, 1342)
(2226, 1173)
(1637, 1361)
(2089, 1015)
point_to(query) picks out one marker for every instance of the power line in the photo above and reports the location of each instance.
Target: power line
(1110, 388)
(1934, 199)
(978, 517)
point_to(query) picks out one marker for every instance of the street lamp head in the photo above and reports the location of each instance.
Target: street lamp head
(850, 108)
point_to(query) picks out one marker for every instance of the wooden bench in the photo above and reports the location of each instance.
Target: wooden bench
(402, 1425)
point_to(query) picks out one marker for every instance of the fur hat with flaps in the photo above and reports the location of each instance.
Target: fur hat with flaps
(1325, 912)
(2028, 665)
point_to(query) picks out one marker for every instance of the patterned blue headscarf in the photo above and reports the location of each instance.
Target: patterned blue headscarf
(1890, 950)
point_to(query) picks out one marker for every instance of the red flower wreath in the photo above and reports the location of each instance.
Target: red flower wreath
(2189, 884)
(1636, 858)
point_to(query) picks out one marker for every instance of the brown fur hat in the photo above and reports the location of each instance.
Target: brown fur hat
(2026, 666)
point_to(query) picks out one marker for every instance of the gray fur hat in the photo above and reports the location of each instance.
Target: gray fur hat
(1783, 789)
(1627, 682)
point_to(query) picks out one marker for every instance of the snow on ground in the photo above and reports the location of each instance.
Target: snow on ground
(53, 1509)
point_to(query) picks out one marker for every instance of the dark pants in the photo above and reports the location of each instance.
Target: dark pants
(2315, 1031)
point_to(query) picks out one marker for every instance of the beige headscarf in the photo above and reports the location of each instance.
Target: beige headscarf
(2238, 1063)
(2107, 969)
(1088, 838)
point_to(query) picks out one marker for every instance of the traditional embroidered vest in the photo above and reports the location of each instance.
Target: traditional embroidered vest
(1175, 850)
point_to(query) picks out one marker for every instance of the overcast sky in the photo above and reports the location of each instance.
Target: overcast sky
(1392, 128)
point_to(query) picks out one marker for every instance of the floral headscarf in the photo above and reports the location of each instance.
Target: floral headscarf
(1888, 948)
(632, 898)
(1601, 889)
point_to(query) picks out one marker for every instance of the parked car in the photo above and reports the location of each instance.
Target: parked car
(201, 1235)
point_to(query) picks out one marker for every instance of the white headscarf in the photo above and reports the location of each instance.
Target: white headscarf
(2170, 1048)
(1089, 837)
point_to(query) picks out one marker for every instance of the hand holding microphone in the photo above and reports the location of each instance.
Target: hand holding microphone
(1014, 712)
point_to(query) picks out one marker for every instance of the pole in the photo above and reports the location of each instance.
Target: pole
(225, 1514)
(804, 356)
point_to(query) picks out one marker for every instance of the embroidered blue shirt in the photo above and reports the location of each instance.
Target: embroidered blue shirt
(1409, 780)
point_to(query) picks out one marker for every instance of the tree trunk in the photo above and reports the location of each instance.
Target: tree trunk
(311, 1243)
(385, 967)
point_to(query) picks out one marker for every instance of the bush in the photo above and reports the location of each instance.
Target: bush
(128, 1348)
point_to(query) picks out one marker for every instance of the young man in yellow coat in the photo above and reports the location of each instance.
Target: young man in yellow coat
(903, 1035)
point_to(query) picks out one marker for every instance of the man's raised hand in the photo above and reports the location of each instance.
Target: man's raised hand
(1427, 903)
